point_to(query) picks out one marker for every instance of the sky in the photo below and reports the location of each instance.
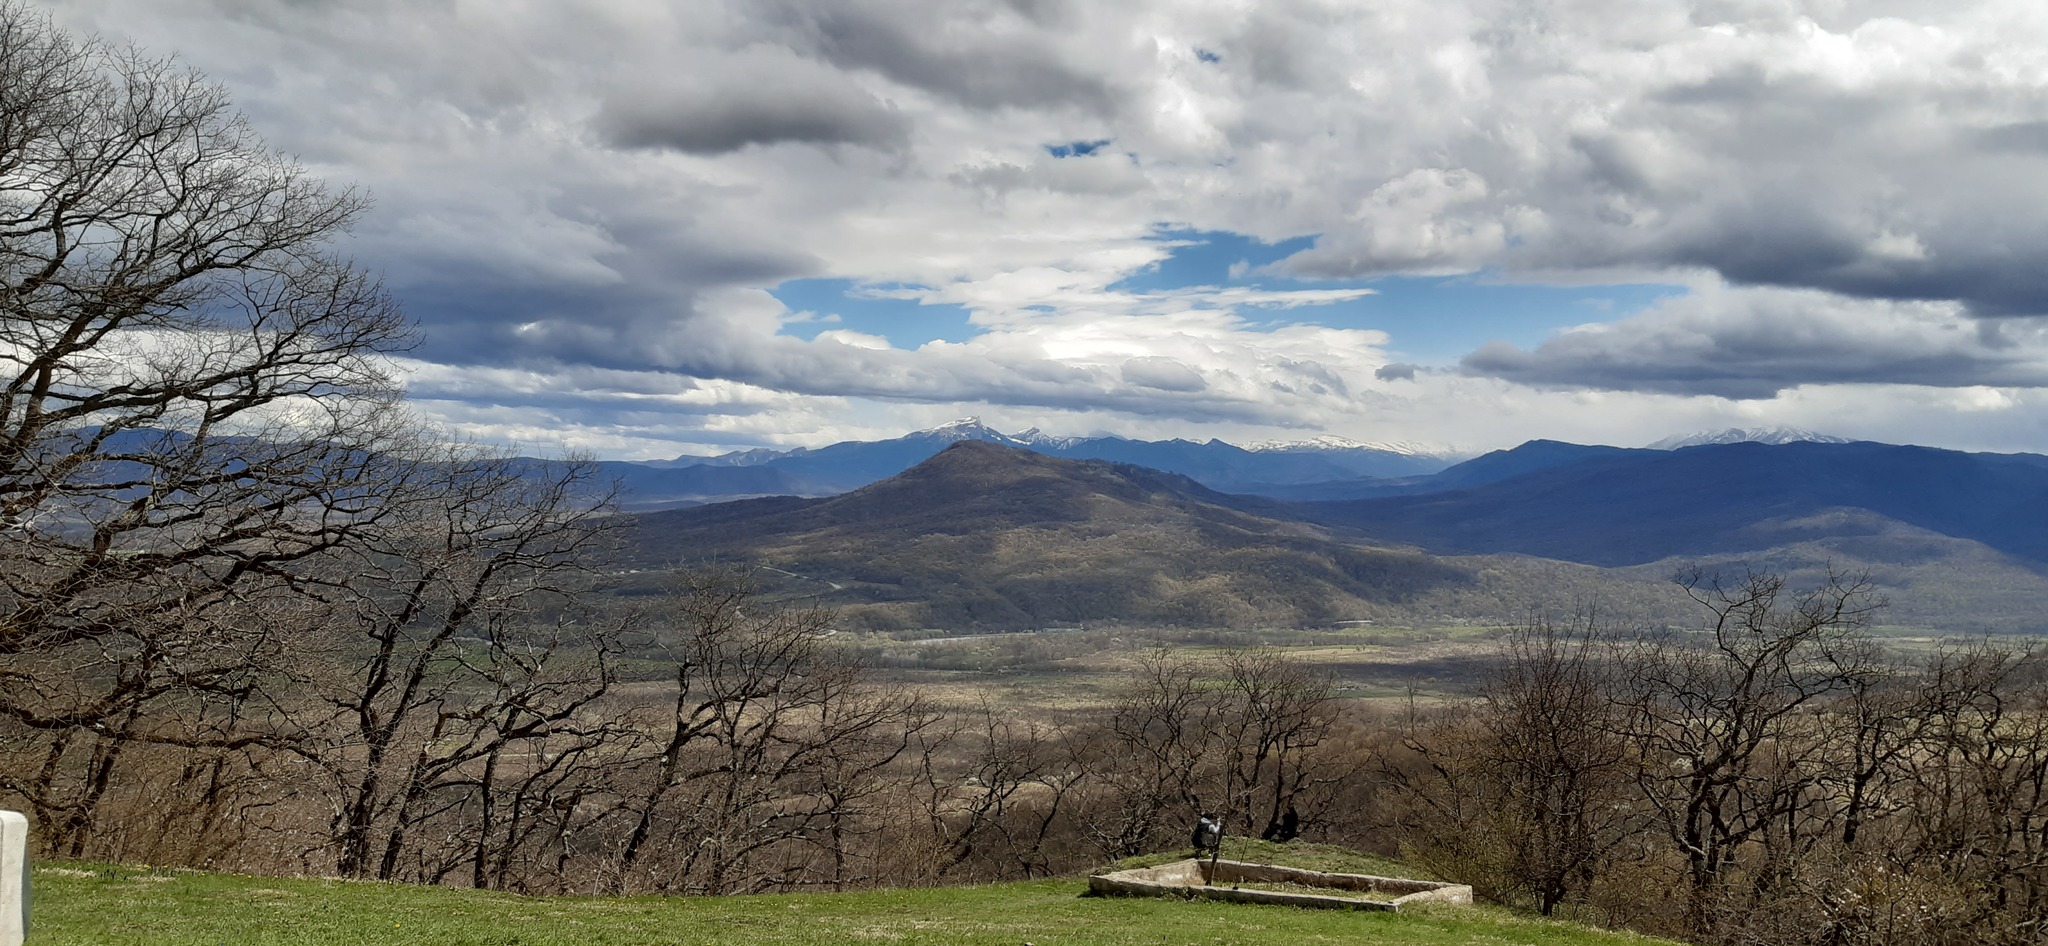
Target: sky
(647, 228)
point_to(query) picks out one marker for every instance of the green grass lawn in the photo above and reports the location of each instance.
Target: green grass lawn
(91, 904)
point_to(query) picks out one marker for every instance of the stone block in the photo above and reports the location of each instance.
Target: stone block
(14, 894)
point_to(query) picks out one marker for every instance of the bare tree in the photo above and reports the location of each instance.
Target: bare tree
(1721, 719)
(1872, 733)
(1278, 712)
(1238, 736)
(755, 762)
(1001, 803)
(436, 653)
(1153, 754)
(1976, 788)
(1555, 759)
(190, 392)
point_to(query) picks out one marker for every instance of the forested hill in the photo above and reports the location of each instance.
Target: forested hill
(1623, 507)
(988, 535)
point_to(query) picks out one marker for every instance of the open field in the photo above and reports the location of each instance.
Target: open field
(1077, 671)
(79, 904)
(1070, 670)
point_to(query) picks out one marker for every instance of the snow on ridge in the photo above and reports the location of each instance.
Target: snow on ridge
(1327, 442)
(1764, 435)
(972, 428)
(1036, 437)
(966, 428)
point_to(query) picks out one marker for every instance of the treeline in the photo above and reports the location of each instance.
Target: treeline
(1775, 777)
(708, 744)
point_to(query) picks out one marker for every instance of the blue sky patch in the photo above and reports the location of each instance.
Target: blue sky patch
(1205, 258)
(1076, 149)
(1430, 319)
(906, 323)
(1437, 320)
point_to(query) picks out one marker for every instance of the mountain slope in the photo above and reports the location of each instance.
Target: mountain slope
(1930, 580)
(1531, 457)
(1616, 507)
(988, 536)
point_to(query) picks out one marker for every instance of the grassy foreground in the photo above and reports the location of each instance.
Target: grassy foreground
(86, 904)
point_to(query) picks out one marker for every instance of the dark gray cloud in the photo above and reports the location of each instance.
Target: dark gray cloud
(1395, 372)
(2029, 137)
(986, 54)
(1162, 374)
(764, 101)
(1756, 343)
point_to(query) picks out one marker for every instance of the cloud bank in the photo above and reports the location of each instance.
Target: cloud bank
(588, 205)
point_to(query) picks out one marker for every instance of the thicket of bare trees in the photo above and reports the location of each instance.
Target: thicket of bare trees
(1524, 791)
(1245, 735)
(191, 407)
(1774, 777)
(446, 671)
(766, 757)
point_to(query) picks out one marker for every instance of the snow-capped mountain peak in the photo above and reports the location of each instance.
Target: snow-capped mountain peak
(1329, 443)
(755, 457)
(966, 428)
(1039, 438)
(1769, 435)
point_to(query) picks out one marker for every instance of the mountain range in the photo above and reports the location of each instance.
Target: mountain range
(1267, 468)
(1319, 469)
(988, 534)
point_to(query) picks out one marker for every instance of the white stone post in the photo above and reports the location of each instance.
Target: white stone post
(13, 878)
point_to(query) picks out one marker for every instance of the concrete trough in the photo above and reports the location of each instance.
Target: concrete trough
(1190, 879)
